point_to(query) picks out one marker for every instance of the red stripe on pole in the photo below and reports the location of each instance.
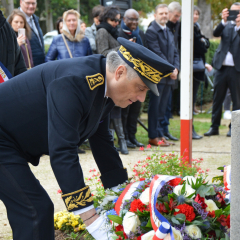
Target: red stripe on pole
(186, 139)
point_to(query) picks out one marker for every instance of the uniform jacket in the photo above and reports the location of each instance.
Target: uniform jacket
(165, 48)
(10, 53)
(38, 51)
(59, 50)
(230, 41)
(51, 109)
(90, 33)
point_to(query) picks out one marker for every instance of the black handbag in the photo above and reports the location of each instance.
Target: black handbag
(198, 65)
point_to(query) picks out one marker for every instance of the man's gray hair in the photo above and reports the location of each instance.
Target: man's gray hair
(160, 6)
(236, 4)
(114, 61)
(175, 6)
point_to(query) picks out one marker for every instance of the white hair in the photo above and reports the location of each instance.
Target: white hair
(174, 6)
(114, 61)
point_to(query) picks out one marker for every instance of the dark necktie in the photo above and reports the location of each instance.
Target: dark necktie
(165, 32)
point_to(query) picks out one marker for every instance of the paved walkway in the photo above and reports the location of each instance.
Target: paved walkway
(215, 150)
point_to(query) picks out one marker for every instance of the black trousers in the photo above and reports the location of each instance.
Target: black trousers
(226, 77)
(29, 208)
(156, 110)
(130, 115)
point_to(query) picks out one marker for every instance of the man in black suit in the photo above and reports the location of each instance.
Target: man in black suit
(130, 30)
(52, 109)
(227, 63)
(161, 41)
(28, 7)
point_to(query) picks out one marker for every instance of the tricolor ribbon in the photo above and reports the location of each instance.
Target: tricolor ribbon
(227, 180)
(160, 224)
(4, 73)
(127, 195)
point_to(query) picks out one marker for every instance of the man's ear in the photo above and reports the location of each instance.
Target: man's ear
(120, 71)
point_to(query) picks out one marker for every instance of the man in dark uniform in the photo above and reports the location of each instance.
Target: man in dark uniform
(51, 109)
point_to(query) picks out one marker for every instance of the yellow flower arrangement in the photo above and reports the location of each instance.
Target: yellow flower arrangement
(67, 221)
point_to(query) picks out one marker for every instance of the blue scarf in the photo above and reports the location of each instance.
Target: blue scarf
(130, 33)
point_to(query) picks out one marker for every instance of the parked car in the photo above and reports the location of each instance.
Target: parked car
(48, 37)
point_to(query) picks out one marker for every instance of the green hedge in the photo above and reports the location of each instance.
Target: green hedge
(205, 95)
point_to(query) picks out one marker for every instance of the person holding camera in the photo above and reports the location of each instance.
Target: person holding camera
(18, 21)
(226, 61)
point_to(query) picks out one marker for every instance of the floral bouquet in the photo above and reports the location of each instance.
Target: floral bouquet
(167, 207)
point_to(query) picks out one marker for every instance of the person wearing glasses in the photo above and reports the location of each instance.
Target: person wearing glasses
(106, 41)
(28, 7)
(130, 30)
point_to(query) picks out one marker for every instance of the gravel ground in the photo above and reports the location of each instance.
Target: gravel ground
(215, 150)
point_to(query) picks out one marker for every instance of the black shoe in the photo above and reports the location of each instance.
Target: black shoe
(169, 136)
(195, 135)
(211, 132)
(229, 133)
(135, 142)
(80, 151)
(129, 144)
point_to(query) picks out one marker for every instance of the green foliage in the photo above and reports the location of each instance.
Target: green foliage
(115, 219)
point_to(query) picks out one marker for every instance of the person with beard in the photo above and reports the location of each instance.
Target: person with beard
(130, 30)
(106, 41)
(160, 40)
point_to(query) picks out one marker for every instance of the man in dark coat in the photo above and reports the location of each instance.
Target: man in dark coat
(226, 61)
(28, 7)
(51, 109)
(130, 30)
(161, 41)
(10, 52)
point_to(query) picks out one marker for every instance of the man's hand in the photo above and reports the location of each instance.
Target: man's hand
(225, 14)
(208, 67)
(174, 74)
(88, 215)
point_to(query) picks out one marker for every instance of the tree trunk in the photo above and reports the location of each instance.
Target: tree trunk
(8, 6)
(78, 6)
(49, 17)
(205, 20)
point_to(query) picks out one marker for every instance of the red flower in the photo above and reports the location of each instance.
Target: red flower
(228, 221)
(119, 228)
(220, 199)
(174, 182)
(211, 214)
(59, 191)
(201, 201)
(222, 219)
(161, 208)
(137, 205)
(172, 204)
(187, 210)
(142, 179)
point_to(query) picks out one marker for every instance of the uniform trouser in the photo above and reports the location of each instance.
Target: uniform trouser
(130, 115)
(29, 208)
(227, 101)
(156, 110)
(226, 77)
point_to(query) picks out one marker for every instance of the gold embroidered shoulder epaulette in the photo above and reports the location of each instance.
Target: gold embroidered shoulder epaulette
(95, 80)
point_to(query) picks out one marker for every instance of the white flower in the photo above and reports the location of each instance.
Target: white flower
(190, 179)
(188, 190)
(148, 235)
(144, 197)
(130, 222)
(211, 205)
(177, 234)
(193, 231)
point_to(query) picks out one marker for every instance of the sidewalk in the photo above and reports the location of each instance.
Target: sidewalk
(215, 150)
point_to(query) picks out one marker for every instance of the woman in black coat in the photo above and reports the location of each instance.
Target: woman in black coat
(10, 53)
(200, 46)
